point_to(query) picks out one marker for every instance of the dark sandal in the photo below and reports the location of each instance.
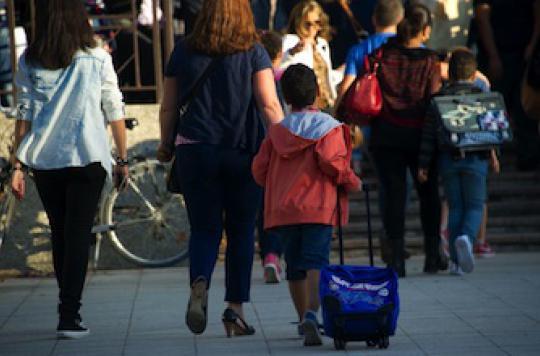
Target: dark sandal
(235, 325)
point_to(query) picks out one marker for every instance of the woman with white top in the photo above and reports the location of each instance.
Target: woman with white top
(68, 90)
(307, 43)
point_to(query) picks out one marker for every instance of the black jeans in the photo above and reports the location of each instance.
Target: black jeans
(70, 197)
(392, 165)
(219, 191)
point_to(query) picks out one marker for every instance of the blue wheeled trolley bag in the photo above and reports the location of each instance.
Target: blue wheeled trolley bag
(359, 303)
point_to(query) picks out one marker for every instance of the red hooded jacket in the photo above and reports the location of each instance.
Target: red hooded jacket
(300, 163)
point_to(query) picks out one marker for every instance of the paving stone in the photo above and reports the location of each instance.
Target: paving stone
(493, 311)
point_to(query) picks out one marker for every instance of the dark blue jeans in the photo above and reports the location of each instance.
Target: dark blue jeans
(307, 246)
(464, 183)
(220, 192)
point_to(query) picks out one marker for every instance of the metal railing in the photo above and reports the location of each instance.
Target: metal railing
(119, 22)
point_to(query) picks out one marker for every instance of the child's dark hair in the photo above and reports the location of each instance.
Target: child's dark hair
(299, 85)
(272, 42)
(462, 64)
(388, 12)
(417, 18)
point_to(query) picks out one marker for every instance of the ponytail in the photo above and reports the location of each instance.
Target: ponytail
(417, 18)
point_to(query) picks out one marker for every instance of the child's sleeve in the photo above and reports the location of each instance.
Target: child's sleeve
(334, 160)
(259, 166)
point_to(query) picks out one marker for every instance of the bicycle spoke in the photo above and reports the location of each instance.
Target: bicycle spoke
(141, 195)
(153, 179)
(171, 203)
(176, 235)
(132, 222)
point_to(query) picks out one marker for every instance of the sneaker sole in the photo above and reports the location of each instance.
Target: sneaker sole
(65, 334)
(271, 274)
(196, 316)
(312, 337)
(464, 255)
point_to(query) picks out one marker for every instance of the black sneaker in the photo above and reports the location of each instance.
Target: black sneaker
(74, 329)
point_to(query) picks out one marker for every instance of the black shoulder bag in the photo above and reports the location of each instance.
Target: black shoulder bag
(173, 181)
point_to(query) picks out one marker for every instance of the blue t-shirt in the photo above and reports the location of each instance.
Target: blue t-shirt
(223, 112)
(355, 58)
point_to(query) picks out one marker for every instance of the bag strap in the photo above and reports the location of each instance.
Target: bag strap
(182, 109)
(376, 63)
(361, 34)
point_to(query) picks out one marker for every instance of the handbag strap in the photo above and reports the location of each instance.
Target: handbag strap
(182, 109)
(376, 63)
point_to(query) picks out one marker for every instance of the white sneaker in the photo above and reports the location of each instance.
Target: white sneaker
(455, 270)
(465, 254)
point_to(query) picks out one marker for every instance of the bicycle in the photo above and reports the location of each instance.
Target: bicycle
(145, 223)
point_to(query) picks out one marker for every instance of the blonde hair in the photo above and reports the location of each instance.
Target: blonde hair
(298, 17)
(224, 27)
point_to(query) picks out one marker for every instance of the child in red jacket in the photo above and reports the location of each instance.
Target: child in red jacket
(301, 163)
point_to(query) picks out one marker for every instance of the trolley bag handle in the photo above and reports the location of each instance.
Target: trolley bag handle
(366, 188)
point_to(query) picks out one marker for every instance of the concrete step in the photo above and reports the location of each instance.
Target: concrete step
(503, 207)
(413, 241)
(508, 223)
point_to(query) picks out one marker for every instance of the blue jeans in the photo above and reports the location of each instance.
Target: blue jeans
(464, 183)
(307, 246)
(220, 192)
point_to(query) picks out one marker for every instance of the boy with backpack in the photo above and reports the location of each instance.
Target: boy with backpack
(302, 162)
(463, 172)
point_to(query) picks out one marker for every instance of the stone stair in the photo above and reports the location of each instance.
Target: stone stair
(513, 208)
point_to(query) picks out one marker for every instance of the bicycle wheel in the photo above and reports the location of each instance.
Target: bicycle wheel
(150, 225)
(7, 206)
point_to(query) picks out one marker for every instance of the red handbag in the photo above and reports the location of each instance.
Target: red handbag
(363, 99)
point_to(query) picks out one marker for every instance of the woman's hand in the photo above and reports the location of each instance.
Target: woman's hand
(423, 175)
(494, 162)
(302, 44)
(18, 186)
(120, 176)
(298, 48)
(164, 153)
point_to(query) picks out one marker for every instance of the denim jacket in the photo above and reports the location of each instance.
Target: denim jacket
(68, 109)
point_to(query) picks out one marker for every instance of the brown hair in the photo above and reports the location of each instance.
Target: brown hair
(388, 12)
(298, 17)
(462, 64)
(223, 27)
(417, 18)
(272, 42)
(62, 28)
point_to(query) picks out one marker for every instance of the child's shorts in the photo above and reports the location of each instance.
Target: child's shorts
(307, 246)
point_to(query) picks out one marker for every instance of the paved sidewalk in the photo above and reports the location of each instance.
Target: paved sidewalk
(494, 311)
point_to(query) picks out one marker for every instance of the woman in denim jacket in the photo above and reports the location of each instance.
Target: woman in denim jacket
(68, 90)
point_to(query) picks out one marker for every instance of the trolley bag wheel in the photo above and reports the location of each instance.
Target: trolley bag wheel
(384, 342)
(339, 344)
